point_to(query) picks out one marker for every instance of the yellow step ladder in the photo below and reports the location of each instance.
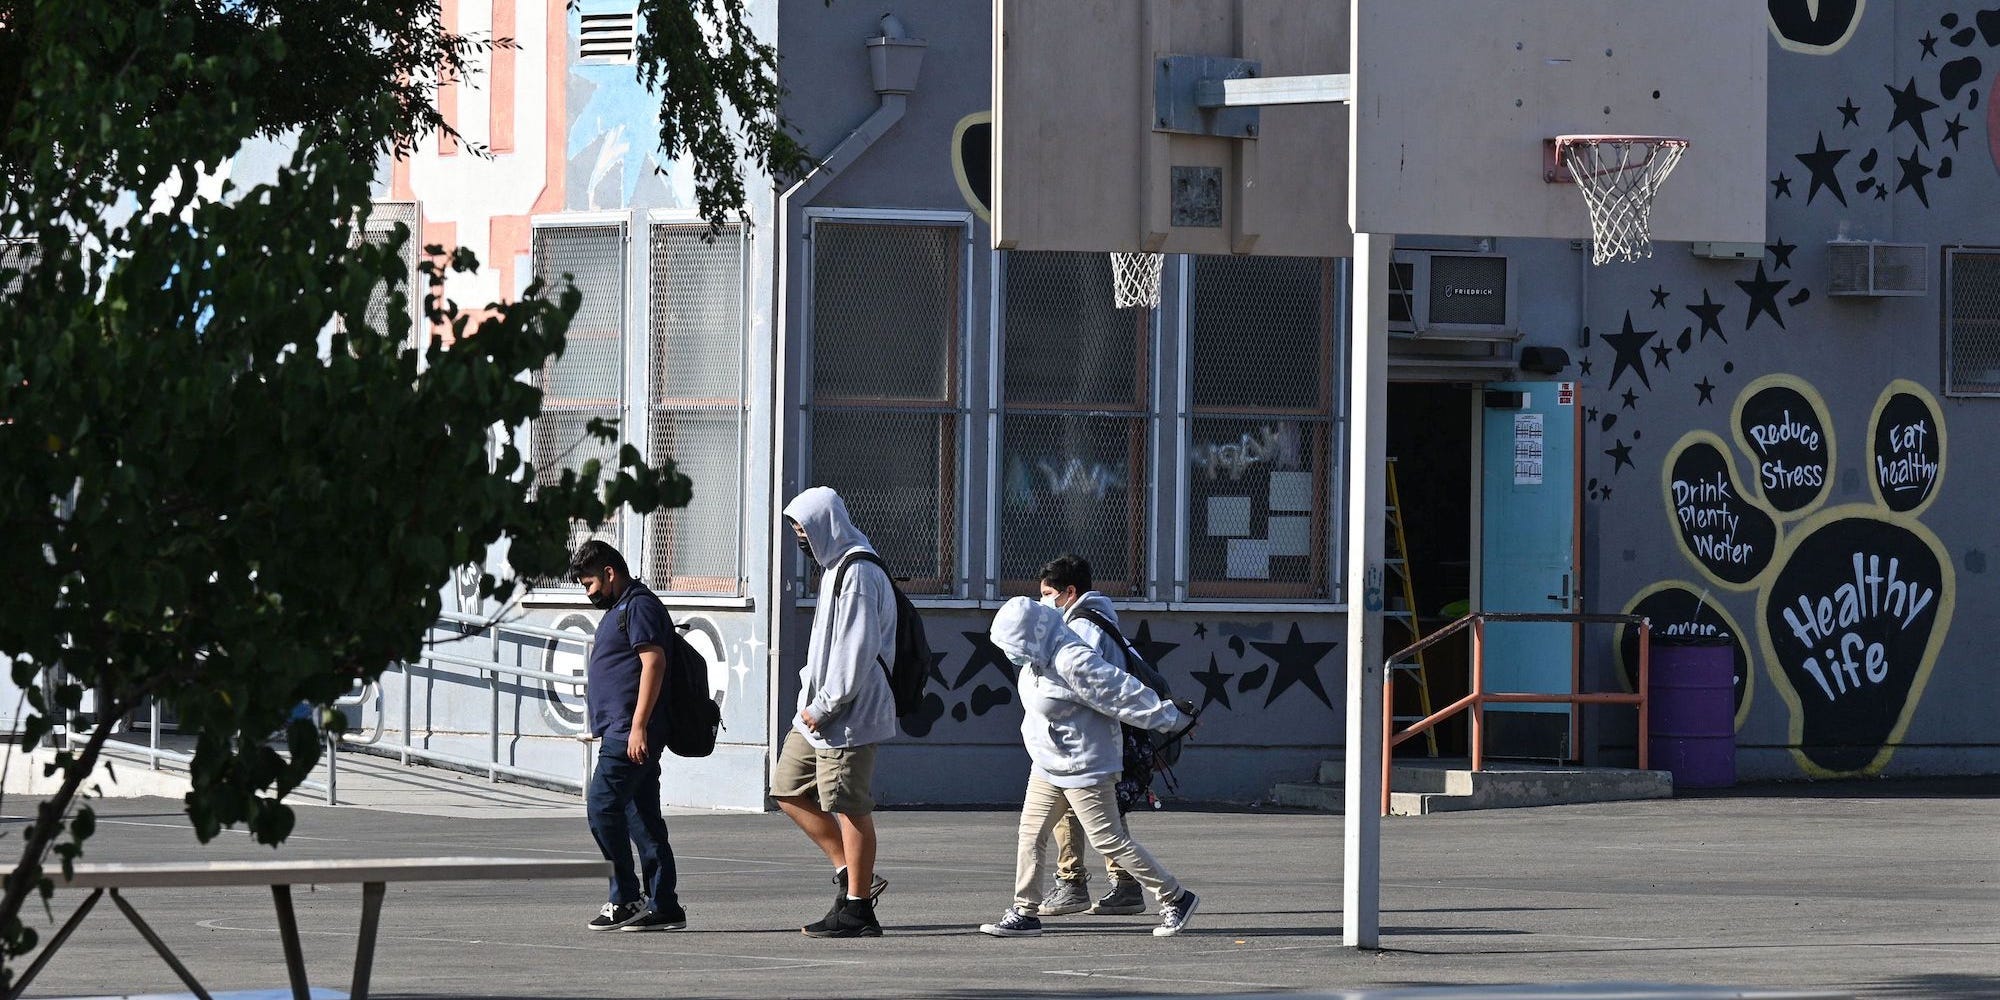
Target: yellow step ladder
(1398, 563)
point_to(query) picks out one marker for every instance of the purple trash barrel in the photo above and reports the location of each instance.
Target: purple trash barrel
(1691, 710)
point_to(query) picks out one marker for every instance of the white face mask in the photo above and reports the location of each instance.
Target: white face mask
(1049, 600)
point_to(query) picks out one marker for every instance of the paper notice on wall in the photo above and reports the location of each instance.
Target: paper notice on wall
(1291, 536)
(1228, 517)
(1291, 491)
(1527, 449)
(1249, 559)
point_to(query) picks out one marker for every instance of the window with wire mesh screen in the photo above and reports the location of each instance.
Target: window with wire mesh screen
(379, 230)
(696, 405)
(887, 341)
(586, 381)
(1260, 435)
(1972, 322)
(1073, 425)
(17, 257)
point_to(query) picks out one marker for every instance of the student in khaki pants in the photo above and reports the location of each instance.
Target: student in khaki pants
(1074, 701)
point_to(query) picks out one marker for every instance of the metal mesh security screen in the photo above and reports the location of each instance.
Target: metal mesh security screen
(696, 413)
(586, 381)
(888, 332)
(1260, 444)
(1972, 323)
(381, 228)
(1073, 445)
(17, 257)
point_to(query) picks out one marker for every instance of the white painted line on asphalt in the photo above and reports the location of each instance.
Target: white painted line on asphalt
(1087, 974)
(773, 962)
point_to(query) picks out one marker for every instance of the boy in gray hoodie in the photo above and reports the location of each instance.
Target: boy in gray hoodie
(1074, 701)
(1066, 586)
(826, 767)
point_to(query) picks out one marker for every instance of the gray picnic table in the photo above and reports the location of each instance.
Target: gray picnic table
(373, 874)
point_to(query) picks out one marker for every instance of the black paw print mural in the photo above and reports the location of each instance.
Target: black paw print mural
(1852, 601)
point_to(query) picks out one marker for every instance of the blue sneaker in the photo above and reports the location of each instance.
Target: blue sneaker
(1174, 916)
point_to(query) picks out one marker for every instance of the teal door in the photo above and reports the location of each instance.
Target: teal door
(1528, 533)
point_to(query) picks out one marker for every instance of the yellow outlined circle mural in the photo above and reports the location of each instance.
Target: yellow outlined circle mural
(1782, 424)
(1729, 535)
(1678, 608)
(972, 161)
(1905, 448)
(1814, 27)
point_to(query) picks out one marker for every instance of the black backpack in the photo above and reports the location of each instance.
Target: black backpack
(1145, 753)
(912, 669)
(692, 717)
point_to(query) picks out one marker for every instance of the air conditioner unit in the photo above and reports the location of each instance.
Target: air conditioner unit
(1452, 295)
(1872, 267)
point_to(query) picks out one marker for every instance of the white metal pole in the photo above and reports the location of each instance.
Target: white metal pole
(1368, 377)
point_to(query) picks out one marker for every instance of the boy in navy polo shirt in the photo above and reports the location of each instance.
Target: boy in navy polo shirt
(627, 670)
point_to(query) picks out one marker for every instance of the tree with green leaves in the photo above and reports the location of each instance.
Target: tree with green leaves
(223, 488)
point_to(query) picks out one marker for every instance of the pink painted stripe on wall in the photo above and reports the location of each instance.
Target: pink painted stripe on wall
(500, 113)
(555, 113)
(447, 88)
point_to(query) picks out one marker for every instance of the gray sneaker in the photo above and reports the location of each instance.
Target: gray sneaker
(1124, 899)
(1069, 897)
(1174, 916)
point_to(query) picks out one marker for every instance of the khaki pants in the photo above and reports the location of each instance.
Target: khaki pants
(1070, 844)
(1096, 810)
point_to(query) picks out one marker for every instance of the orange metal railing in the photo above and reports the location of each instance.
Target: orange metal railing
(1479, 698)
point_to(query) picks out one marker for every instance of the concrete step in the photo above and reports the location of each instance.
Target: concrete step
(1304, 795)
(1430, 785)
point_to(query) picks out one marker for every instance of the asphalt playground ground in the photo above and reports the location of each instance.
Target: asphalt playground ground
(1876, 889)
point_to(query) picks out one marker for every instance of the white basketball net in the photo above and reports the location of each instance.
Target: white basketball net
(1619, 175)
(1135, 279)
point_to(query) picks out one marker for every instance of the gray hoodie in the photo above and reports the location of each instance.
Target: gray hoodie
(1073, 698)
(844, 682)
(1087, 630)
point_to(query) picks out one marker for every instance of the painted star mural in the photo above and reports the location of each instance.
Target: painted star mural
(1821, 161)
(1763, 294)
(1297, 662)
(1214, 684)
(1629, 343)
(1710, 315)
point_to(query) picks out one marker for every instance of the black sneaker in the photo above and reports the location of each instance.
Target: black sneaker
(875, 885)
(1174, 916)
(659, 920)
(1124, 899)
(616, 915)
(850, 918)
(1013, 923)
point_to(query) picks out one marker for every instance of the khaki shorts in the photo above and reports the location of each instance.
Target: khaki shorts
(841, 778)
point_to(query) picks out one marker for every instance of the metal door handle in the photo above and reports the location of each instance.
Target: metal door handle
(1562, 598)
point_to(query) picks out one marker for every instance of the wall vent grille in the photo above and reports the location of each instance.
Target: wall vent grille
(608, 38)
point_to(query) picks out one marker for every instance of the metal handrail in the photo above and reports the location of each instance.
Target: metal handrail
(1477, 700)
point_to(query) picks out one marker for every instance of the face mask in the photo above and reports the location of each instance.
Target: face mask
(806, 547)
(603, 599)
(1050, 602)
(1020, 660)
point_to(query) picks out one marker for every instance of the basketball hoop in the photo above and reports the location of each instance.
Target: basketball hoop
(1135, 279)
(1619, 175)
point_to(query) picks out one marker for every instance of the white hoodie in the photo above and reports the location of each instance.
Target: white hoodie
(844, 681)
(1073, 698)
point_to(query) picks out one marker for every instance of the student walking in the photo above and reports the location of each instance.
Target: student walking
(826, 766)
(1066, 585)
(1074, 701)
(625, 674)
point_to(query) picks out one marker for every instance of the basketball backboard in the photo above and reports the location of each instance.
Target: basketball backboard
(1453, 101)
(1078, 162)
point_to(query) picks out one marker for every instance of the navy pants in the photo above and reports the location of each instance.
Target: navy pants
(624, 805)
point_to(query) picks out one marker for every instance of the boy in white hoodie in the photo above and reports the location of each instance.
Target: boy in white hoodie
(1073, 702)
